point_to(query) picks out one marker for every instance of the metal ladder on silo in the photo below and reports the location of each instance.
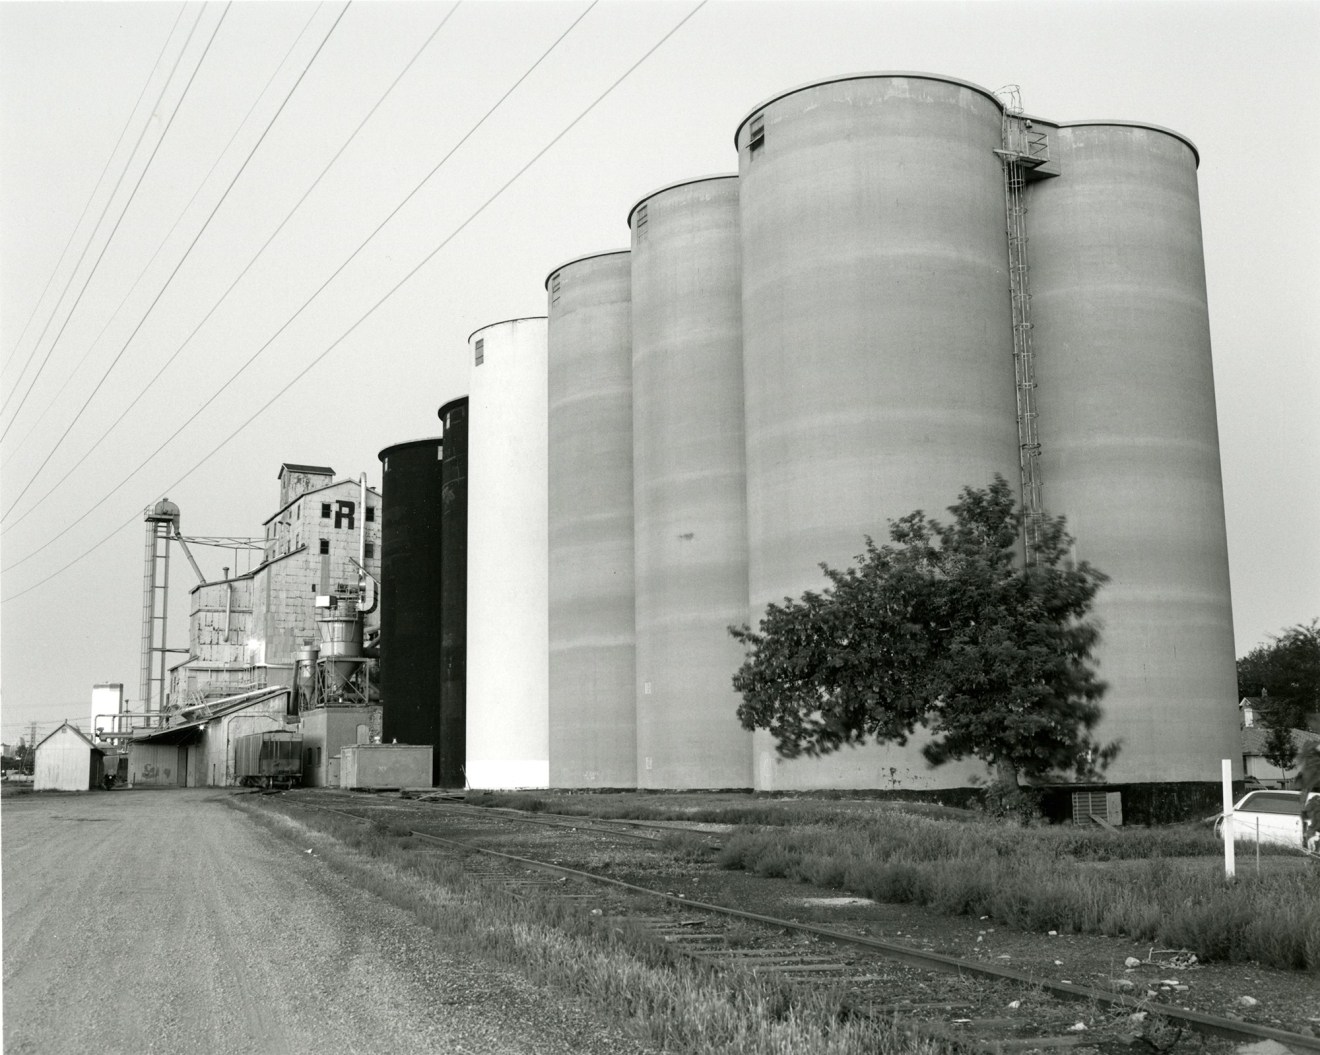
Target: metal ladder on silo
(1022, 149)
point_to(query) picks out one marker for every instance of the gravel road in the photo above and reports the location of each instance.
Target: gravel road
(167, 922)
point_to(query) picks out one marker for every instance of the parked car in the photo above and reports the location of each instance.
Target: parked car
(1273, 816)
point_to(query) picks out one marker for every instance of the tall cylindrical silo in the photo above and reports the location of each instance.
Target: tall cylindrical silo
(452, 752)
(507, 588)
(593, 724)
(689, 492)
(877, 341)
(412, 511)
(1129, 440)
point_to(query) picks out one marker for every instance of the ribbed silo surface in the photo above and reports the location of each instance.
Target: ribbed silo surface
(688, 485)
(451, 754)
(508, 645)
(1129, 442)
(593, 727)
(877, 340)
(412, 514)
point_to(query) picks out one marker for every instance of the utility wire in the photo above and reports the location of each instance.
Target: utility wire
(106, 208)
(92, 197)
(370, 311)
(223, 296)
(164, 241)
(186, 252)
(288, 322)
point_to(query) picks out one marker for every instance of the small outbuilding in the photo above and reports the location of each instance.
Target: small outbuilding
(385, 766)
(67, 761)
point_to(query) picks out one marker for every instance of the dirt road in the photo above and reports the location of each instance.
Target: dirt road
(168, 922)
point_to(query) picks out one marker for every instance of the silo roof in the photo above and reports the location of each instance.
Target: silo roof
(451, 404)
(1135, 124)
(405, 444)
(505, 322)
(579, 259)
(876, 75)
(674, 186)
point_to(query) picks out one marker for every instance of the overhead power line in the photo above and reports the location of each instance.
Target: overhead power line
(288, 322)
(187, 340)
(91, 347)
(394, 289)
(106, 208)
(81, 216)
(186, 252)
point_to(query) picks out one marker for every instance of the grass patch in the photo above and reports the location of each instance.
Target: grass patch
(1052, 878)
(667, 1001)
(718, 808)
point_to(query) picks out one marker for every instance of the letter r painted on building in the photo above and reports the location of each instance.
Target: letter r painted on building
(344, 511)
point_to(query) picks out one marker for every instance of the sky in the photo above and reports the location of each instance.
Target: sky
(245, 106)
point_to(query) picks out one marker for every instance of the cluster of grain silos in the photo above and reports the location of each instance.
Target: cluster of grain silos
(786, 359)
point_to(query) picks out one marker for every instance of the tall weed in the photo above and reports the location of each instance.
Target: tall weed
(1043, 880)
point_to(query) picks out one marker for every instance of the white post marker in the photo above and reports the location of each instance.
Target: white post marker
(1229, 868)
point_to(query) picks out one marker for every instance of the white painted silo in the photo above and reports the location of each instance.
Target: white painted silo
(1129, 441)
(688, 485)
(593, 723)
(877, 341)
(507, 584)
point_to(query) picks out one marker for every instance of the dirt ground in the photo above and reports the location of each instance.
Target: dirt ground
(165, 921)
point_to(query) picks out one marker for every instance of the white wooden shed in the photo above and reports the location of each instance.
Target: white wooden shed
(67, 761)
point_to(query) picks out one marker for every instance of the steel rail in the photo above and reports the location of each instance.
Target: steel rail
(1211, 1025)
(506, 813)
(509, 814)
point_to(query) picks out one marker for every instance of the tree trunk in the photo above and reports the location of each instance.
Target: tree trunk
(1006, 774)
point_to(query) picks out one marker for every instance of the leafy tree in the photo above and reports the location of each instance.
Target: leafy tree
(1286, 674)
(942, 628)
(1279, 750)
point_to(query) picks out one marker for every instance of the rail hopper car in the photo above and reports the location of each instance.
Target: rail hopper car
(268, 759)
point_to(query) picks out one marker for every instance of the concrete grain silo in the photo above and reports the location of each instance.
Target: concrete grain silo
(507, 589)
(593, 726)
(1128, 434)
(688, 485)
(877, 340)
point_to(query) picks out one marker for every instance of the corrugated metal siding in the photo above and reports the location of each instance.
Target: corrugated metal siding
(154, 765)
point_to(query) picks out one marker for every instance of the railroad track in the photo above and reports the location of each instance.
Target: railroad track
(648, 831)
(929, 993)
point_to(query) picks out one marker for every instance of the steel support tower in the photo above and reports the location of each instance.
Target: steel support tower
(162, 522)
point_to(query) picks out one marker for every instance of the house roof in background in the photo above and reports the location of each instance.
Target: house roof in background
(1253, 739)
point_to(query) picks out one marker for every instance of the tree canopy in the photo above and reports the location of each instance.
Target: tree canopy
(944, 628)
(1285, 676)
(1285, 673)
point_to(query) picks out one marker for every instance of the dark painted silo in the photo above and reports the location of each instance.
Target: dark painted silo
(411, 569)
(452, 748)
